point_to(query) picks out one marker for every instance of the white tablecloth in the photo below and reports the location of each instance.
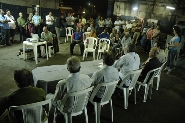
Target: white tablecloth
(47, 77)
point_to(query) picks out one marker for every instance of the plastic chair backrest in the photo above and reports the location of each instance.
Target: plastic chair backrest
(133, 76)
(78, 100)
(151, 74)
(32, 113)
(105, 44)
(109, 90)
(69, 31)
(85, 35)
(90, 42)
(162, 67)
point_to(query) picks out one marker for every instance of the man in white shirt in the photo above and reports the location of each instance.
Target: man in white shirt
(74, 82)
(11, 24)
(125, 40)
(69, 20)
(49, 22)
(117, 24)
(108, 24)
(128, 62)
(128, 27)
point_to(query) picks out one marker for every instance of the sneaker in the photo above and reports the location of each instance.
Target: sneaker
(168, 72)
(166, 69)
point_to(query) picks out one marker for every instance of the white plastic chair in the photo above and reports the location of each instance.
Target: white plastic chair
(78, 101)
(69, 33)
(49, 50)
(149, 78)
(132, 76)
(32, 113)
(104, 47)
(85, 35)
(158, 76)
(89, 46)
(106, 98)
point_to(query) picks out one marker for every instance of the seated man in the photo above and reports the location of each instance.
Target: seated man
(161, 56)
(77, 39)
(107, 74)
(25, 94)
(46, 36)
(105, 34)
(128, 62)
(74, 82)
(153, 63)
(125, 40)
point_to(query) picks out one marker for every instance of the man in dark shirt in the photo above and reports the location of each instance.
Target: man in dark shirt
(58, 27)
(153, 63)
(77, 39)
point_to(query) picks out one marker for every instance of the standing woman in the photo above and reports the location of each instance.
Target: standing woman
(147, 45)
(155, 35)
(30, 23)
(172, 46)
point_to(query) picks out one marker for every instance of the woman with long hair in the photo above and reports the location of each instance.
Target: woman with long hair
(30, 23)
(172, 47)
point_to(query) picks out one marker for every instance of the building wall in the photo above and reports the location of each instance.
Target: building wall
(53, 4)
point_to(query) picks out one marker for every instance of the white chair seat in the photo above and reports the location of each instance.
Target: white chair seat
(105, 46)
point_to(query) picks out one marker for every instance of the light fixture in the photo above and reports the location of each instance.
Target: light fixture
(169, 7)
(135, 8)
(83, 12)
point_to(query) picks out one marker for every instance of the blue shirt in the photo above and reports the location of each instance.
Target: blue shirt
(36, 19)
(103, 35)
(4, 25)
(77, 36)
(173, 40)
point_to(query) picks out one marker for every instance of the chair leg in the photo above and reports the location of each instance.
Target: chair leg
(125, 94)
(135, 94)
(111, 108)
(138, 87)
(158, 80)
(95, 110)
(84, 55)
(98, 112)
(146, 93)
(86, 116)
(94, 55)
(98, 56)
(69, 117)
(150, 87)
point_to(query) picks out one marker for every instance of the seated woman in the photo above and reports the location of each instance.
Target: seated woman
(26, 94)
(116, 44)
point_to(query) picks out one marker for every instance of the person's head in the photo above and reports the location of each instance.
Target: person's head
(127, 35)
(73, 64)
(117, 35)
(130, 47)
(77, 29)
(93, 31)
(105, 30)
(159, 45)
(20, 14)
(101, 18)
(129, 21)
(36, 13)
(117, 18)
(176, 30)
(50, 13)
(45, 29)
(8, 12)
(108, 58)
(1, 12)
(23, 78)
(153, 52)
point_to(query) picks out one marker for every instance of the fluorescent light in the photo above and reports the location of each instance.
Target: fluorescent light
(135, 8)
(169, 7)
(83, 12)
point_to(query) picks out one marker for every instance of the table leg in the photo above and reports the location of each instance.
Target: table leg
(24, 51)
(35, 53)
(46, 50)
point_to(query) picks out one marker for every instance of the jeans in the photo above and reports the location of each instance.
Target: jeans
(171, 58)
(143, 40)
(22, 34)
(72, 45)
(5, 36)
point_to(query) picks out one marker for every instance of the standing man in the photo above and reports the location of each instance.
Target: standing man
(49, 22)
(58, 27)
(11, 24)
(36, 19)
(69, 20)
(22, 25)
(5, 29)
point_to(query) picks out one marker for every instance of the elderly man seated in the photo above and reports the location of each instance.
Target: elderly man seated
(74, 82)
(152, 63)
(77, 39)
(161, 56)
(128, 62)
(107, 74)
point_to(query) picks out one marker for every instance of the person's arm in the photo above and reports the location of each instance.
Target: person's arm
(96, 78)
(175, 44)
(119, 63)
(60, 90)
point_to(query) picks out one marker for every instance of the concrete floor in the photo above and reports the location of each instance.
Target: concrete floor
(167, 104)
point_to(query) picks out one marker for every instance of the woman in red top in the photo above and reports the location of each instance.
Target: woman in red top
(147, 45)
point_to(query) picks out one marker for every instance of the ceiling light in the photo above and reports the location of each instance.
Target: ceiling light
(135, 8)
(169, 7)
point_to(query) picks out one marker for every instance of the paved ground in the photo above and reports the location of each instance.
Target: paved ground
(167, 104)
